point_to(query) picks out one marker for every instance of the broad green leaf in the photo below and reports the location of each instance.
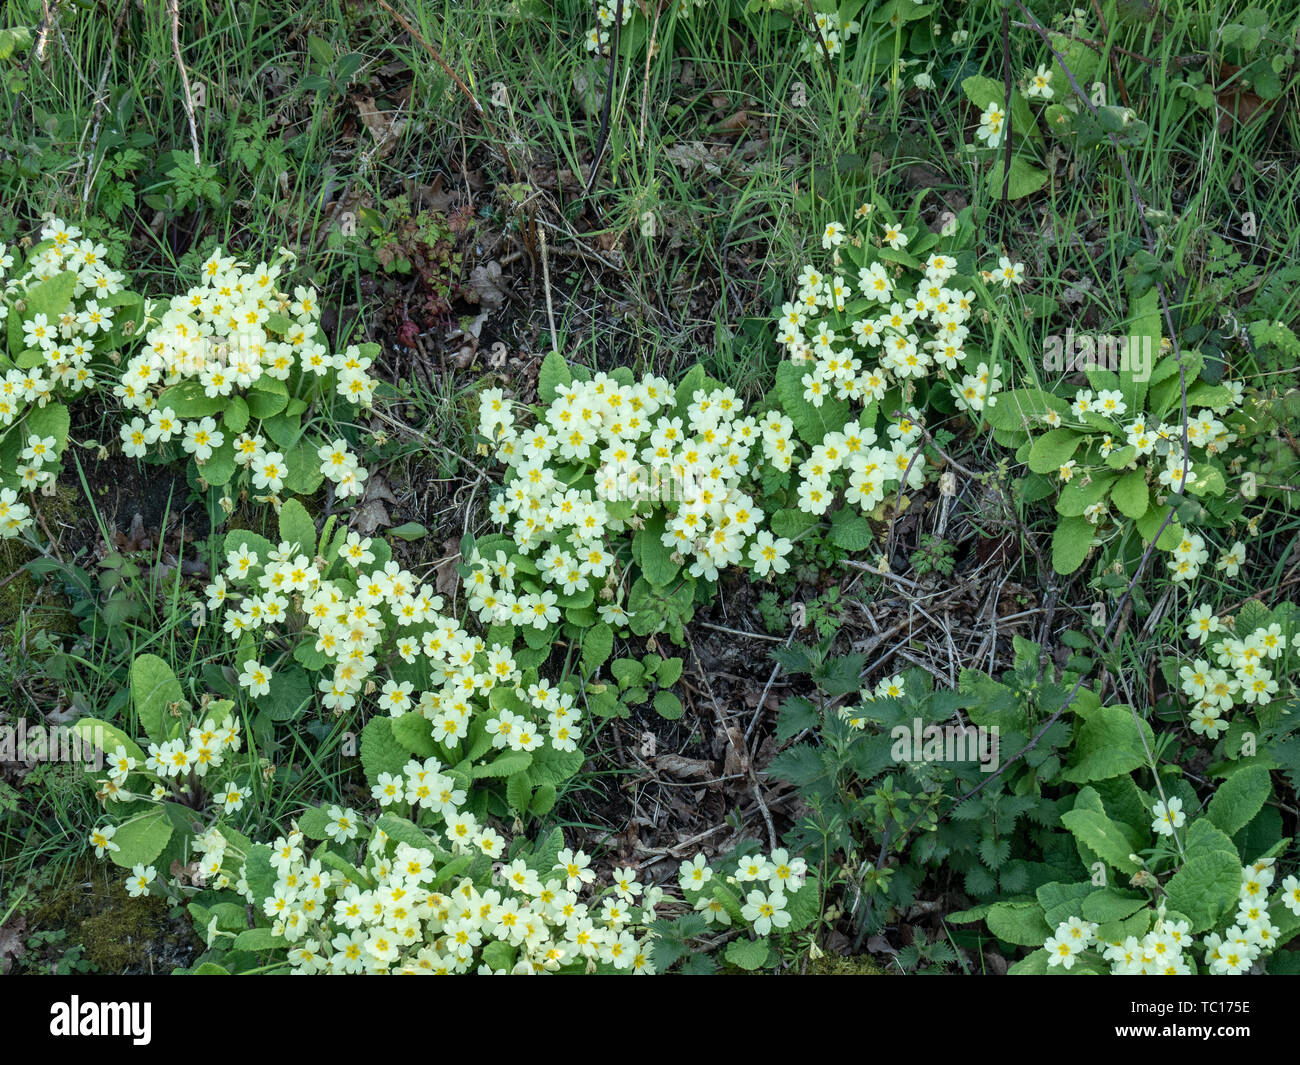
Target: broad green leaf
(1053, 449)
(154, 688)
(297, 527)
(141, 839)
(748, 954)
(1018, 922)
(1131, 494)
(1239, 798)
(1070, 543)
(1108, 744)
(1104, 837)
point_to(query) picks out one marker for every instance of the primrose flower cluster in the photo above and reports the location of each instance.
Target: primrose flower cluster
(526, 917)
(597, 39)
(856, 337)
(1246, 671)
(382, 621)
(233, 344)
(65, 302)
(757, 892)
(602, 458)
(1166, 949)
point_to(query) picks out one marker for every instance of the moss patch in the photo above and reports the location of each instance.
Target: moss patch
(843, 965)
(118, 934)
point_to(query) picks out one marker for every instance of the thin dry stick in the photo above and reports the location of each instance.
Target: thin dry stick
(546, 284)
(187, 99)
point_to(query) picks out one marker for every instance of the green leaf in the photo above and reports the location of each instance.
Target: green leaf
(850, 530)
(258, 940)
(303, 474)
(103, 736)
(1107, 904)
(154, 688)
(411, 530)
(1108, 744)
(748, 954)
(554, 767)
(1104, 837)
(554, 374)
(1239, 798)
(50, 297)
(314, 823)
(297, 527)
(1024, 408)
(669, 672)
(505, 764)
(657, 563)
(544, 797)
(1026, 179)
(1131, 494)
(142, 839)
(1205, 888)
(811, 423)
(188, 400)
(415, 734)
(267, 397)
(1071, 541)
(1018, 922)
(1053, 449)
(519, 792)
(597, 644)
(380, 751)
(235, 416)
(290, 694)
(668, 705)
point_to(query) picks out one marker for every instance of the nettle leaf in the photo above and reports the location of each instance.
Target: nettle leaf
(1018, 922)
(154, 688)
(748, 954)
(1109, 744)
(1239, 798)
